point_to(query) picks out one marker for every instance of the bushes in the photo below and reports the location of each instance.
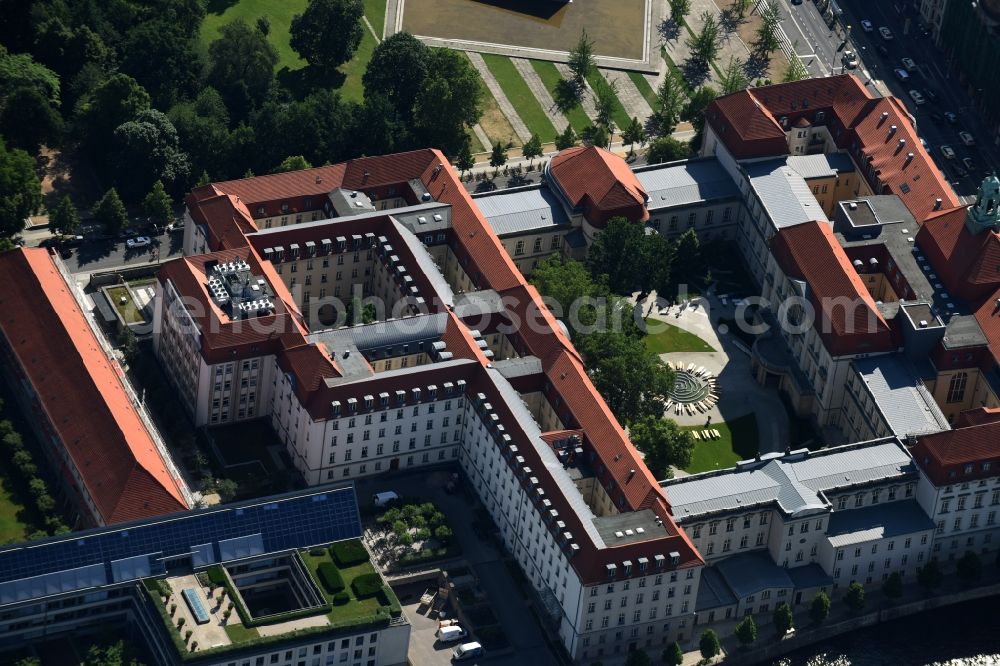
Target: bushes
(366, 585)
(216, 575)
(36, 487)
(348, 553)
(341, 598)
(330, 577)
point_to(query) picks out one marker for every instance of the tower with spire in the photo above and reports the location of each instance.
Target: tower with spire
(985, 213)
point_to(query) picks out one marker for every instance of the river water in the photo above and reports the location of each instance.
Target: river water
(961, 635)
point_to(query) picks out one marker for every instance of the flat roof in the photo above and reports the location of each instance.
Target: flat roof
(822, 165)
(624, 528)
(684, 183)
(750, 573)
(859, 212)
(878, 521)
(519, 211)
(904, 402)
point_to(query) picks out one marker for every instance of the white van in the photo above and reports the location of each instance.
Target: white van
(467, 651)
(381, 499)
(451, 634)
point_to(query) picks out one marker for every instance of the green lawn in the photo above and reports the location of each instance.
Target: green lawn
(738, 442)
(278, 13)
(238, 633)
(129, 312)
(551, 77)
(520, 95)
(618, 115)
(675, 69)
(11, 510)
(642, 84)
(354, 69)
(673, 339)
(356, 608)
(375, 11)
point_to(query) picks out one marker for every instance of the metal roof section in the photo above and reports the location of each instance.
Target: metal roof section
(522, 210)
(384, 337)
(684, 183)
(428, 267)
(713, 591)
(820, 166)
(476, 303)
(350, 202)
(795, 482)
(631, 527)
(784, 193)
(525, 366)
(424, 217)
(880, 521)
(398, 372)
(751, 573)
(899, 393)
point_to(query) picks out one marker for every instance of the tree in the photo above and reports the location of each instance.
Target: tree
(596, 135)
(734, 77)
(581, 60)
(328, 33)
(464, 160)
(292, 163)
(783, 619)
(638, 658)
(633, 133)
(64, 219)
(112, 103)
(605, 103)
(241, 66)
(671, 96)
(443, 533)
(203, 133)
(532, 148)
(706, 44)
(694, 110)
(613, 253)
(631, 379)
(158, 205)
(396, 72)
(448, 103)
(111, 655)
(144, 150)
(969, 568)
(929, 576)
(227, 489)
(766, 38)
(663, 444)
(567, 139)
(673, 655)
(746, 631)
(679, 9)
(796, 70)
(666, 149)
(709, 644)
(164, 59)
(565, 283)
(28, 120)
(820, 607)
(129, 344)
(110, 212)
(19, 70)
(20, 190)
(28, 661)
(855, 597)
(498, 157)
(892, 588)
(688, 265)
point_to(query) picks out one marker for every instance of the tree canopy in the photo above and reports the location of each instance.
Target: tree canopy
(666, 149)
(708, 644)
(783, 619)
(64, 219)
(110, 212)
(855, 597)
(146, 150)
(820, 607)
(328, 33)
(396, 72)
(746, 631)
(663, 444)
(20, 190)
(241, 66)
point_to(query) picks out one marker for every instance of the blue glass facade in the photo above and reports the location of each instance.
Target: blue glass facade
(128, 551)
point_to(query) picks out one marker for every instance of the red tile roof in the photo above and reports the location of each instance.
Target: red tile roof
(748, 123)
(968, 265)
(988, 317)
(600, 182)
(979, 416)
(955, 456)
(847, 319)
(81, 394)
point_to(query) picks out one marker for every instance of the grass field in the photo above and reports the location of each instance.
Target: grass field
(673, 339)
(129, 312)
(11, 509)
(221, 12)
(375, 11)
(645, 89)
(675, 69)
(619, 116)
(738, 442)
(354, 69)
(520, 96)
(550, 77)
(238, 633)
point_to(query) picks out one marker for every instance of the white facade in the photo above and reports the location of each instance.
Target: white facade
(965, 515)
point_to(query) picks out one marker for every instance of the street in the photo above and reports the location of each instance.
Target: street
(818, 46)
(98, 254)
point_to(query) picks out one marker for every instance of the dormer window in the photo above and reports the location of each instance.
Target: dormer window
(284, 207)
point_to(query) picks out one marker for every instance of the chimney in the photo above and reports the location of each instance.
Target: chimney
(937, 204)
(892, 130)
(902, 142)
(885, 117)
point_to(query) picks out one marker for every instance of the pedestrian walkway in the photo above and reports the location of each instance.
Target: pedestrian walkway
(541, 93)
(635, 104)
(731, 46)
(494, 87)
(588, 95)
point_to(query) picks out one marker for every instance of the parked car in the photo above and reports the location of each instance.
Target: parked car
(138, 241)
(948, 152)
(451, 633)
(886, 33)
(866, 25)
(902, 74)
(969, 164)
(967, 138)
(917, 98)
(849, 59)
(467, 651)
(951, 117)
(382, 499)
(909, 64)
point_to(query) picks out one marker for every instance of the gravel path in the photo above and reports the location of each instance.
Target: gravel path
(588, 96)
(635, 104)
(494, 86)
(541, 93)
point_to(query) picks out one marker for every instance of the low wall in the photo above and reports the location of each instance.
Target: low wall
(809, 635)
(111, 278)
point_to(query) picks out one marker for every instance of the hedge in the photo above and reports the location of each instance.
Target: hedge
(366, 585)
(341, 598)
(330, 577)
(348, 553)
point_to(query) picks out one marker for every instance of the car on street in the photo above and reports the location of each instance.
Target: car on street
(948, 152)
(969, 164)
(917, 98)
(866, 25)
(849, 59)
(902, 75)
(951, 117)
(138, 241)
(923, 141)
(909, 64)
(886, 33)
(967, 138)
(467, 651)
(931, 94)
(451, 633)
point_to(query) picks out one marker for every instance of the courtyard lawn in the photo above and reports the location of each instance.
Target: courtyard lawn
(354, 69)
(356, 609)
(673, 339)
(551, 77)
(640, 82)
(238, 633)
(11, 510)
(618, 115)
(738, 441)
(520, 95)
(221, 12)
(375, 11)
(129, 312)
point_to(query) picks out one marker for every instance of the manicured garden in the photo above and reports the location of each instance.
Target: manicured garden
(551, 77)
(668, 338)
(739, 441)
(375, 13)
(619, 115)
(414, 533)
(520, 95)
(279, 14)
(122, 301)
(646, 90)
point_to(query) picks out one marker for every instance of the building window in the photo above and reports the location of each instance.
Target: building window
(956, 387)
(519, 248)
